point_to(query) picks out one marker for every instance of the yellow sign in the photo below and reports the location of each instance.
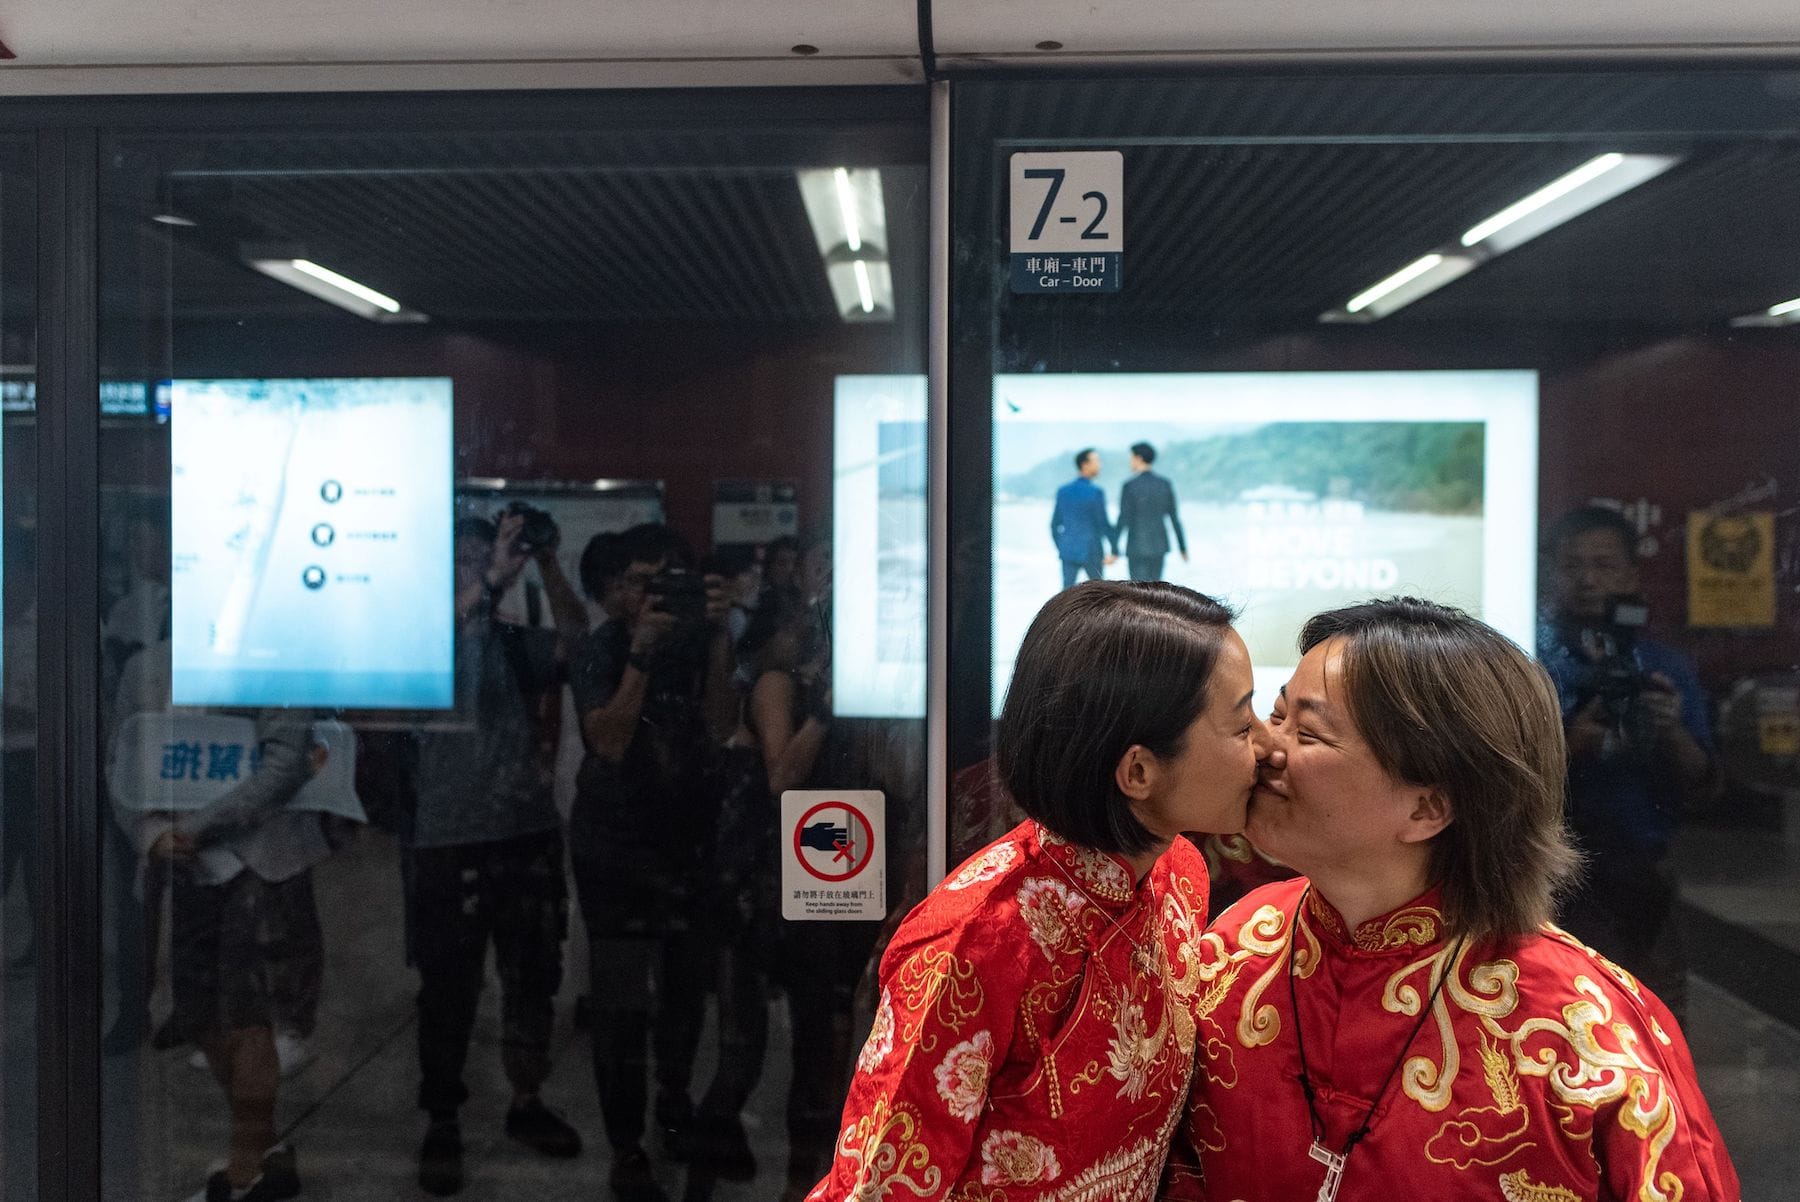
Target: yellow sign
(1779, 734)
(1731, 569)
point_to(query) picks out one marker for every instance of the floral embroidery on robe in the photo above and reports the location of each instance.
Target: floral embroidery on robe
(1036, 1032)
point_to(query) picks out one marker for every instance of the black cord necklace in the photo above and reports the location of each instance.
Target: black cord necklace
(1334, 1161)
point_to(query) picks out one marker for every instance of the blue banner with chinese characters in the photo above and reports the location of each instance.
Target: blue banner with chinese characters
(175, 762)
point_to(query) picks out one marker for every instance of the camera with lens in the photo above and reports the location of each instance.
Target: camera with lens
(681, 594)
(681, 658)
(1607, 668)
(538, 530)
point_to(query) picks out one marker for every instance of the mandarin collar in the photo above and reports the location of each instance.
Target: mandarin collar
(1104, 877)
(1419, 923)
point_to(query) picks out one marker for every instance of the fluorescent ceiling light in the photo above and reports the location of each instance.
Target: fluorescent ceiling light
(1787, 313)
(849, 223)
(1393, 283)
(1569, 196)
(339, 289)
(863, 289)
(862, 286)
(174, 219)
(847, 209)
(344, 283)
(1423, 275)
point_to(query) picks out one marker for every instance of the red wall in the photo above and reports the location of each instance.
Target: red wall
(1682, 423)
(684, 404)
(1686, 424)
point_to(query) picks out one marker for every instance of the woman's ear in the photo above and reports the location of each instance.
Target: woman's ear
(1136, 773)
(1431, 813)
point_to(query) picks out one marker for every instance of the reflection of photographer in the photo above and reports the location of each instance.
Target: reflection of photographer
(654, 694)
(1640, 746)
(487, 848)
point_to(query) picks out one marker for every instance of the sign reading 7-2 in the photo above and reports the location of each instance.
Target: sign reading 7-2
(1056, 175)
(1067, 230)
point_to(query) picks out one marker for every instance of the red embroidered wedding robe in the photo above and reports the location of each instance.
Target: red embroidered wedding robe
(1544, 1074)
(1035, 1035)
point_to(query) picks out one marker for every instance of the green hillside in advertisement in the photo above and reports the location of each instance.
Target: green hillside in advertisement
(1398, 467)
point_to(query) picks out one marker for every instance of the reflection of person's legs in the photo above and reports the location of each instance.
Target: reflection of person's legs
(297, 963)
(1095, 568)
(743, 986)
(136, 926)
(1625, 910)
(451, 936)
(681, 981)
(243, 1062)
(1652, 936)
(619, 969)
(720, 1142)
(1071, 572)
(225, 943)
(1147, 567)
(530, 922)
(620, 964)
(822, 962)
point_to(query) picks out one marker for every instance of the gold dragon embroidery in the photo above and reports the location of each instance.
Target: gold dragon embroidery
(1589, 1060)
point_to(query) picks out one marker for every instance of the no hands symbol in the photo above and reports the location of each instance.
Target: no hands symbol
(833, 841)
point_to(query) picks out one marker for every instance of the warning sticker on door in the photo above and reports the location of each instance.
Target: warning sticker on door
(833, 855)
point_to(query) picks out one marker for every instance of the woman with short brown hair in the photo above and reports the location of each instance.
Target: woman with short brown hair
(1036, 1027)
(1404, 1012)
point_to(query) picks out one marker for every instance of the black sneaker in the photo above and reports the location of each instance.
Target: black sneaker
(280, 1174)
(675, 1131)
(279, 1180)
(537, 1126)
(723, 1146)
(632, 1180)
(441, 1158)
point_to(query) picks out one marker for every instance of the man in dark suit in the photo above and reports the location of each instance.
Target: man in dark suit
(1145, 503)
(1078, 524)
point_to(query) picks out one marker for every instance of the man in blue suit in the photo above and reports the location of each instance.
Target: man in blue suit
(1078, 524)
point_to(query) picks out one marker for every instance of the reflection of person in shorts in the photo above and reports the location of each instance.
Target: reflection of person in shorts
(246, 945)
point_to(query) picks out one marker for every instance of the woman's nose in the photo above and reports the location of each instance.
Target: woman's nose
(1262, 739)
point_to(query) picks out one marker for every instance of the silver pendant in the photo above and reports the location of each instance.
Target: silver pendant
(1334, 1170)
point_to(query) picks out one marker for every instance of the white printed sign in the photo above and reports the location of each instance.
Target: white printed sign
(833, 855)
(1068, 221)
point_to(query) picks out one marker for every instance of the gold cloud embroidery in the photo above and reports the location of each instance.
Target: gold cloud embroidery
(884, 1146)
(935, 984)
(1519, 1187)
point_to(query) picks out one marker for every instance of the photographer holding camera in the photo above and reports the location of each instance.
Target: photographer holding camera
(653, 689)
(486, 849)
(1640, 747)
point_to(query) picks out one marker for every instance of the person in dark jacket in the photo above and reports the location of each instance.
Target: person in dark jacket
(1078, 524)
(1145, 503)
